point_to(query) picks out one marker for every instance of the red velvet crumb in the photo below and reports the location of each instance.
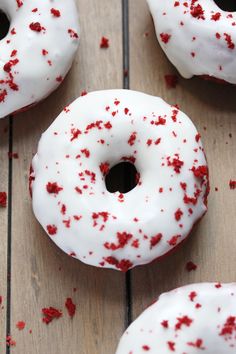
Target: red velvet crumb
(71, 307)
(104, 43)
(3, 199)
(50, 314)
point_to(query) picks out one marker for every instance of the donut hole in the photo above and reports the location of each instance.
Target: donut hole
(4, 25)
(122, 178)
(226, 5)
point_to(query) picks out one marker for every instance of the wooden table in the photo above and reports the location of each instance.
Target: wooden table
(33, 272)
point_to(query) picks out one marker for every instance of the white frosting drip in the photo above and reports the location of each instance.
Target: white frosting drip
(108, 229)
(33, 59)
(202, 37)
(198, 318)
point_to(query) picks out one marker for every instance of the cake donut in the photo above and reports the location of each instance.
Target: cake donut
(197, 36)
(119, 230)
(37, 52)
(198, 318)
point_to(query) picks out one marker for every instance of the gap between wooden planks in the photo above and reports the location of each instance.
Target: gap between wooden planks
(213, 110)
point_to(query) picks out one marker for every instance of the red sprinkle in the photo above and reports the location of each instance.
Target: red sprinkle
(3, 199)
(165, 37)
(52, 229)
(50, 314)
(190, 266)
(10, 342)
(20, 325)
(104, 43)
(52, 187)
(35, 26)
(55, 13)
(155, 240)
(171, 81)
(104, 168)
(71, 307)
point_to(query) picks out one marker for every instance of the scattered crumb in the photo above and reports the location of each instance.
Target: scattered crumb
(20, 325)
(190, 266)
(104, 43)
(50, 314)
(13, 155)
(126, 73)
(171, 81)
(70, 306)
(10, 342)
(3, 199)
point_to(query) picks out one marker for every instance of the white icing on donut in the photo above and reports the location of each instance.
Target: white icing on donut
(198, 318)
(38, 51)
(197, 36)
(117, 230)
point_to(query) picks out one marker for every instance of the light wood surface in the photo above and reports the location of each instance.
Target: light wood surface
(41, 275)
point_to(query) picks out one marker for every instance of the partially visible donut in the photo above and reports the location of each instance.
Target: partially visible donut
(116, 230)
(194, 319)
(37, 52)
(198, 37)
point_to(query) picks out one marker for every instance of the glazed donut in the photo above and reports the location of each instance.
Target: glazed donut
(37, 52)
(197, 36)
(117, 230)
(198, 318)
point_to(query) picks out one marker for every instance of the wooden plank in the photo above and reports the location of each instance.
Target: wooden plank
(42, 275)
(3, 230)
(212, 108)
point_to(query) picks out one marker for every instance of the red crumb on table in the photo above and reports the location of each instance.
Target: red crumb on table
(50, 314)
(70, 306)
(3, 199)
(104, 43)
(0, 300)
(232, 184)
(10, 342)
(20, 325)
(171, 81)
(13, 155)
(190, 266)
(126, 72)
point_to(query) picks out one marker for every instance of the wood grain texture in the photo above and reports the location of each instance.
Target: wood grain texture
(3, 230)
(212, 108)
(42, 275)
